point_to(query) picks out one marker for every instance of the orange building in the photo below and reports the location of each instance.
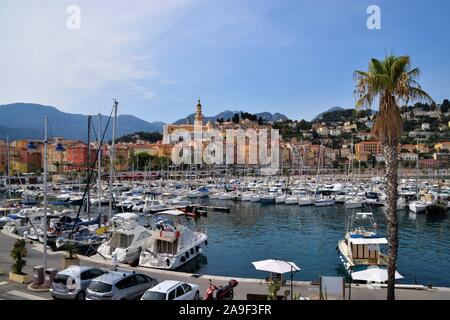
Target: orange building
(365, 148)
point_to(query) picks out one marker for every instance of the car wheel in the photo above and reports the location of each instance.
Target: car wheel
(197, 296)
(81, 295)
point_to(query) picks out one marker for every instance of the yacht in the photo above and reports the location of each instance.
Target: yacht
(173, 242)
(360, 247)
(291, 200)
(152, 205)
(418, 206)
(127, 240)
(353, 203)
(324, 202)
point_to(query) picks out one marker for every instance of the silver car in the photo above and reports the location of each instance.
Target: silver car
(71, 283)
(117, 285)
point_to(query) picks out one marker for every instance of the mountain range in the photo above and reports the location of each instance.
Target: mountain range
(228, 114)
(26, 121)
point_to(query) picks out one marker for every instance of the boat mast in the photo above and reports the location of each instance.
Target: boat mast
(111, 154)
(45, 193)
(417, 171)
(8, 181)
(318, 169)
(99, 174)
(88, 165)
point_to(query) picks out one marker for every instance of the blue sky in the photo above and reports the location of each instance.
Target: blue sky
(158, 57)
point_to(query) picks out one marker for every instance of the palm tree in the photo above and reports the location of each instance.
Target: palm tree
(393, 82)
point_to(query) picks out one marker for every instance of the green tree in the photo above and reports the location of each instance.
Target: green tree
(18, 252)
(445, 106)
(393, 82)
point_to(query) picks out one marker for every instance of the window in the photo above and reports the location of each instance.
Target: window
(101, 287)
(180, 291)
(126, 283)
(125, 241)
(186, 287)
(94, 273)
(171, 295)
(141, 279)
(151, 295)
(61, 278)
(85, 275)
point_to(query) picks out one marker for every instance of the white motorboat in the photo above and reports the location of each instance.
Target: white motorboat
(418, 206)
(174, 243)
(360, 248)
(291, 200)
(267, 198)
(324, 202)
(305, 201)
(354, 203)
(152, 205)
(280, 199)
(127, 241)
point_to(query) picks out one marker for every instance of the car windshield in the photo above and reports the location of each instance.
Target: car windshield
(151, 295)
(101, 287)
(61, 279)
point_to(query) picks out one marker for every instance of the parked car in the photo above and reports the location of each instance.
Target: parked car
(71, 283)
(116, 285)
(172, 290)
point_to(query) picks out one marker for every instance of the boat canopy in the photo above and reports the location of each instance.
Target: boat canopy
(126, 216)
(173, 212)
(364, 214)
(368, 240)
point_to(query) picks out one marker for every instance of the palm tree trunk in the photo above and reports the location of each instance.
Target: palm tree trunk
(391, 155)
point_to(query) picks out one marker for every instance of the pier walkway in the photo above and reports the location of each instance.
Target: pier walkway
(10, 290)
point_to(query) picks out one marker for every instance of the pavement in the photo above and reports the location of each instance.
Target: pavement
(16, 291)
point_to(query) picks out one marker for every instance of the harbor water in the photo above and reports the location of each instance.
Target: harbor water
(308, 236)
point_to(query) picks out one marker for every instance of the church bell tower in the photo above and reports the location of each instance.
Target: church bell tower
(198, 115)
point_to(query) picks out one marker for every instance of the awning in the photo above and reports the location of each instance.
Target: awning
(368, 240)
(172, 212)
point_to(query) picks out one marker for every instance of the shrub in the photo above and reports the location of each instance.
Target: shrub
(18, 252)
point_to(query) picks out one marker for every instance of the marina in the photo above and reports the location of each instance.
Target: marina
(240, 231)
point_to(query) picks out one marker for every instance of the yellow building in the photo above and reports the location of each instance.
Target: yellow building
(3, 157)
(443, 145)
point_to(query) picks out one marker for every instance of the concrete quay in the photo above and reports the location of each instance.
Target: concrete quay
(14, 291)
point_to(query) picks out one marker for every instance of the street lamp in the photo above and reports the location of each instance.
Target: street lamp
(60, 149)
(31, 149)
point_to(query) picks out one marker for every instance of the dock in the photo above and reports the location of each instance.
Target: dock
(212, 208)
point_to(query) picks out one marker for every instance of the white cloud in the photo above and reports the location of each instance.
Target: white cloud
(43, 61)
